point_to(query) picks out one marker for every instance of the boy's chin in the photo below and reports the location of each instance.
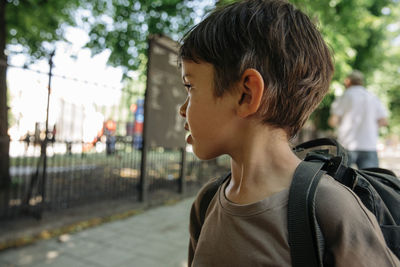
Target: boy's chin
(202, 155)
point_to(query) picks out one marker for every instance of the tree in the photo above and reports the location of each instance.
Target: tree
(4, 139)
(32, 27)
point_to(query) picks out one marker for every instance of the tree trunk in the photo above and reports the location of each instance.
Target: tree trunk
(4, 138)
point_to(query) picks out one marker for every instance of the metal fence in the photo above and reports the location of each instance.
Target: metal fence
(77, 177)
(74, 167)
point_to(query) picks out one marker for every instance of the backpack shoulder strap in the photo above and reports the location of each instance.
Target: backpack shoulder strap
(208, 196)
(305, 238)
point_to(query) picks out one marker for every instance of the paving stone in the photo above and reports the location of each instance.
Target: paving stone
(109, 257)
(64, 261)
(160, 251)
(126, 242)
(6, 264)
(98, 235)
(178, 261)
(140, 261)
(117, 226)
(25, 256)
(77, 247)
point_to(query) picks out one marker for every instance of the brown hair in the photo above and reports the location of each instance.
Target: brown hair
(277, 40)
(356, 77)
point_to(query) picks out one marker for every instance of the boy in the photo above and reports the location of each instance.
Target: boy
(254, 71)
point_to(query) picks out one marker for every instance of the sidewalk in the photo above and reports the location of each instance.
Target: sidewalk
(157, 237)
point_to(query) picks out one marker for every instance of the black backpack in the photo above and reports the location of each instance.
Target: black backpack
(378, 189)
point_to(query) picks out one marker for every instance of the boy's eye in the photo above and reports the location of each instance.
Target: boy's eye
(187, 86)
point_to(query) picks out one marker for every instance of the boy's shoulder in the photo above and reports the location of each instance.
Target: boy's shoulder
(336, 197)
(351, 232)
(338, 207)
(334, 201)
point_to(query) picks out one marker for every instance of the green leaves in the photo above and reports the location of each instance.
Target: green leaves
(31, 24)
(356, 30)
(128, 24)
(119, 25)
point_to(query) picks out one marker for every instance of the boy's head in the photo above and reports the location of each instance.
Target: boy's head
(277, 40)
(354, 78)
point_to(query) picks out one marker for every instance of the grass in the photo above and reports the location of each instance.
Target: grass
(122, 157)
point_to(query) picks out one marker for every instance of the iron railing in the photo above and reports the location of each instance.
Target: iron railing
(77, 176)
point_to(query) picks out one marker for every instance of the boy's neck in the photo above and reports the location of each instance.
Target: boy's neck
(263, 164)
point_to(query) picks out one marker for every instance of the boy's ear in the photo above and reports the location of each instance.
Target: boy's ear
(251, 89)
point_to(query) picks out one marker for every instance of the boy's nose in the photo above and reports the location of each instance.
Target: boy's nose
(182, 109)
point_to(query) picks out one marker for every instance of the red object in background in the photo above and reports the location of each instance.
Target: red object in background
(111, 125)
(133, 108)
(138, 127)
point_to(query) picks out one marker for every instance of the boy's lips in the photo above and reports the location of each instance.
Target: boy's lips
(186, 127)
(188, 135)
(189, 138)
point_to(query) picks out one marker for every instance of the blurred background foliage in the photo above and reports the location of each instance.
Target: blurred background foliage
(363, 34)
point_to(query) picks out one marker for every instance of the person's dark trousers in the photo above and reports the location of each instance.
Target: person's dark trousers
(364, 159)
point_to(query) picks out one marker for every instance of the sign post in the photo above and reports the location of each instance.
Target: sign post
(163, 126)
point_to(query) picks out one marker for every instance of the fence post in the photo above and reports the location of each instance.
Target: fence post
(5, 178)
(5, 181)
(143, 186)
(44, 144)
(182, 175)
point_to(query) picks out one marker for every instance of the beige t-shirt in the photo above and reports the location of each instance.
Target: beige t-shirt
(256, 234)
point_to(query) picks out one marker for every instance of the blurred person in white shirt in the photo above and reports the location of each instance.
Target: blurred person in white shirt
(358, 114)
